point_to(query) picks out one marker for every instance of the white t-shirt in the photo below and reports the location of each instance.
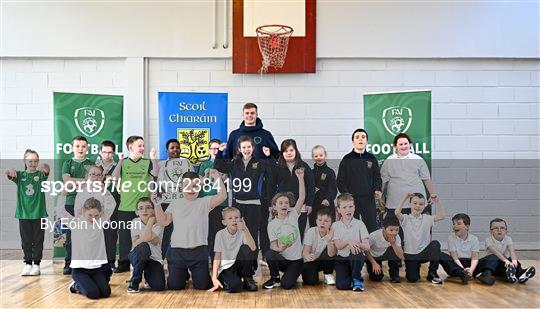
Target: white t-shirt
(172, 170)
(88, 243)
(287, 228)
(157, 231)
(229, 245)
(403, 175)
(190, 219)
(416, 232)
(463, 248)
(355, 230)
(313, 238)
(500, 246)
(378, 245)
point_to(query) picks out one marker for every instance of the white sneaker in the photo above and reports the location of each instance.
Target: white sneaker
(26, 270)
(36, 271)
(329, 279)
(263, 263)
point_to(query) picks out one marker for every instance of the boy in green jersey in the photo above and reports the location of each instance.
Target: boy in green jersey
(73, 173)
(133, 175)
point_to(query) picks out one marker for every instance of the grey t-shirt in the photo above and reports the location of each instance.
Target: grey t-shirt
(228, 245)
(353, 231)
(403, 175)
(500, 246)
(463, 247)
(378, 245)
(287, 228)
(313, 238)
(138, 230)
(416, 232)
(88, 242)
(190, 219)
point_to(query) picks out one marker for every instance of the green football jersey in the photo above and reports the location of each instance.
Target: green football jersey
(30, 199)
(138, 174)
(75, 169)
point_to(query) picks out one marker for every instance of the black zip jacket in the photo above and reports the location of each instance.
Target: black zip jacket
(283, 180)
(325, 180)
(359, 174)
(256, 171)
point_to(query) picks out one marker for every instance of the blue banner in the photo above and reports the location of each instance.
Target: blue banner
(194, 119)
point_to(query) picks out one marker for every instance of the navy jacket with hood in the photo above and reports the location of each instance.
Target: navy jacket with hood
(261, 137)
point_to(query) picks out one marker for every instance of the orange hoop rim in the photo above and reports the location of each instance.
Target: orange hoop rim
(281, 31)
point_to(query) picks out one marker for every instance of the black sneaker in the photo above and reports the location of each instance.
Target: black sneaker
(434, 278)
(73, 288)
(465, 277)
(122, 269)
(133, 288)
(511, 274)
(527, 274)
(486, 277)
(67, 270)
(250, 284)
(272, 283)
(395, 280)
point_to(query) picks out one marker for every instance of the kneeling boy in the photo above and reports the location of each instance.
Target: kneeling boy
(233, 254)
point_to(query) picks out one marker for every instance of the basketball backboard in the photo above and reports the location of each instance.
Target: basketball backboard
(250, 14)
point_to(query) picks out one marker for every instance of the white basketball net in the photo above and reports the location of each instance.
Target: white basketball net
(273, 42)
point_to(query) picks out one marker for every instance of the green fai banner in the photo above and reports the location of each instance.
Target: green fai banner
(387, 114)
(94, 116)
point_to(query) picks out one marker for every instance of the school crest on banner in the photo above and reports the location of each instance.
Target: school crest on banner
(194, 144)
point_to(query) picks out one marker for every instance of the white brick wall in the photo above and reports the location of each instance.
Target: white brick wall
(26, 110)
(482, 108)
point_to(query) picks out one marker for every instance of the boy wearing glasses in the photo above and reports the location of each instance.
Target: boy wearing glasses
(496, 262)
(145, 257)
(107, 163)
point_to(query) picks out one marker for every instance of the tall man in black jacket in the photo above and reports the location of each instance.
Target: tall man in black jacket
(360, 176)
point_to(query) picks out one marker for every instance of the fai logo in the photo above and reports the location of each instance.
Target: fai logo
(397, 119)
(174, 169)
(89, 120)
(194, 144)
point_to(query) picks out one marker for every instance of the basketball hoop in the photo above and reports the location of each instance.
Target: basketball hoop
(273, 42)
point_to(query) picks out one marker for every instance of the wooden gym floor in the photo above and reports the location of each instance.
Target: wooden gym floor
(50, 290)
